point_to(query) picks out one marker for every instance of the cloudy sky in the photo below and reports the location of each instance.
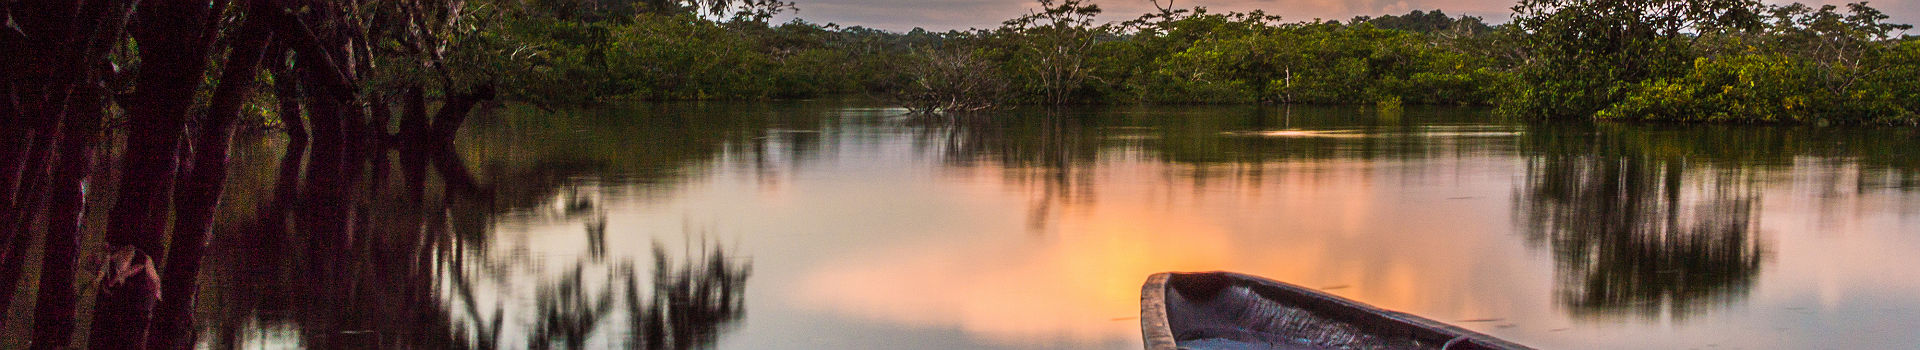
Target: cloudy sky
(901, 15)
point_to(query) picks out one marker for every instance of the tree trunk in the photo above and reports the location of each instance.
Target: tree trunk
(18, 221)
(199, 192)
(454, 112)
(74, 38)
(54, 306)
(21, 137)
(334, 120)
(327, 75)
(15, 138)
(32, 77)
(381, 118)
(326, 183)
(413, 116)
(271, 239)
(173, 60)
(286, 91)
(11, 67)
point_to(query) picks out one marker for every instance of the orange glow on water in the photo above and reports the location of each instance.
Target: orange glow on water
(1078, 281)
(1073, 286)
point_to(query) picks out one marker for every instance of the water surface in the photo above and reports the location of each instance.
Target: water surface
(840, 225)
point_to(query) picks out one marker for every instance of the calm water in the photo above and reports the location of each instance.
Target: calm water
(831, 225)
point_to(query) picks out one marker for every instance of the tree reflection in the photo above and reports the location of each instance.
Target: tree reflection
(1054, 155)
(568, 313)
(411, 261)
(689, 304)
(1054, 152)
(1634, 232)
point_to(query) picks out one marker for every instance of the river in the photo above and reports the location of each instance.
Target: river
(840, 224)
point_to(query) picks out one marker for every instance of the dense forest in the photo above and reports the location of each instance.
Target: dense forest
(147, 97)
(1724, 60)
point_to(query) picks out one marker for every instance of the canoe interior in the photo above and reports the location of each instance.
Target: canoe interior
(1221, 310)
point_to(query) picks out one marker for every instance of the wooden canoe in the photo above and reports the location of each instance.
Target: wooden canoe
(1224, 310)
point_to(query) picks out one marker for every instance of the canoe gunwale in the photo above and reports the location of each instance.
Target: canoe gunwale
(1158, 335)
(1157, 332)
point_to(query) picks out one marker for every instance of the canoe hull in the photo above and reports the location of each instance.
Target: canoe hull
(1237, 311)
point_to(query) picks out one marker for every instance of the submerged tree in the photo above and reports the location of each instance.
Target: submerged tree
(62, 89)
(950, 81)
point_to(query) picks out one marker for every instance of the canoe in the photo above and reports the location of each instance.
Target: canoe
(1224, 310)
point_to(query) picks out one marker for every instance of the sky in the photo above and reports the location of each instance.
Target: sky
(941, 15)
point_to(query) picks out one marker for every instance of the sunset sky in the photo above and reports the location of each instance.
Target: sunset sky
(940, 15)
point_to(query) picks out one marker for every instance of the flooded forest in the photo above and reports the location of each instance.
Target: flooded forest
(678, 174)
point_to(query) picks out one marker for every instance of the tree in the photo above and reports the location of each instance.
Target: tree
(1426, 22)
(950, 81)
(1581, 52)
(1798, 65)
(198, 192)
(1050, 48)
(60, 90)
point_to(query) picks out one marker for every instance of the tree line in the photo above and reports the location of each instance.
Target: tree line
(1719, 60)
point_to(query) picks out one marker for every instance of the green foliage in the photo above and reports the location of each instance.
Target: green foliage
(1180, 57)
(1056, 55)
(1678, 60)
(1894, 70)
(1794, 66)
(1774, 88)
(682, 58)
(1427, 22)
(1389, 106)
(1321, 63)
(1756, 87)
(1711, 61)
(1046, 53)
(1583, 52)
(685, 57)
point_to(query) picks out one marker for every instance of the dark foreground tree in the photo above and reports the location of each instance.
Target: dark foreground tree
(198, 192)
(75, 61)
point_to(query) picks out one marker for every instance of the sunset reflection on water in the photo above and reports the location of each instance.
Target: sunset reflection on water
(850, 228)
(1312, 224)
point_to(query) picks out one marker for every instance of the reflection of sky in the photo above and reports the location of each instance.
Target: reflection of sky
(877, 245)
(1078, 280)
(941, 15)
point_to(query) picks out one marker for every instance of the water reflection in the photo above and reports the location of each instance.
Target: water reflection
(568, 313)
(691, 303)
(427, 266)
(1638, 233)
(1644, 224)
(379, 291)
(600, 229)
(1050, 150)
(1054, 155)
(1125, 194)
